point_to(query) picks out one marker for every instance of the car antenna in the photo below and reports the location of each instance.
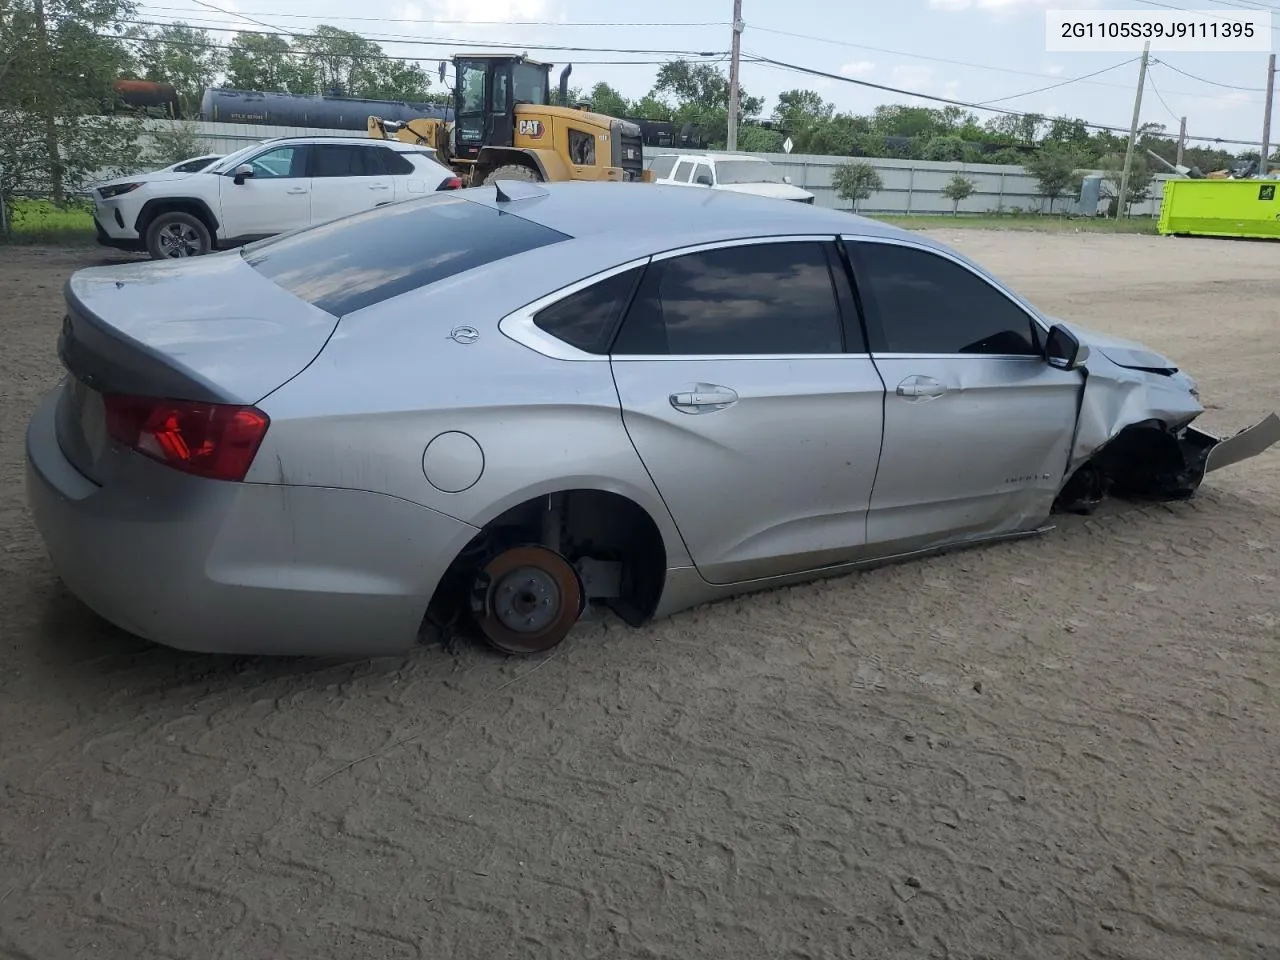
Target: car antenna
(508, 190)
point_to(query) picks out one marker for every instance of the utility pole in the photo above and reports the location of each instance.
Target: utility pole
(1266, 116)
(735, 55)
(1182, 141)
(1133, 131)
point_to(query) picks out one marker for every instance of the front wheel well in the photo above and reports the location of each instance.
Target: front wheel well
(196, 208)
(611, 540)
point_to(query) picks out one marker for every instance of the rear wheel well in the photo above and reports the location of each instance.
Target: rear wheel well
(195, 208)
(611, 540)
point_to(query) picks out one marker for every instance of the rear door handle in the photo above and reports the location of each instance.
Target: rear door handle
(379, 186)
(703, 398)
(297, 191)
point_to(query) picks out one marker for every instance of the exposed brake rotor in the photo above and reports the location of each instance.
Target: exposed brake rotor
(526, 599)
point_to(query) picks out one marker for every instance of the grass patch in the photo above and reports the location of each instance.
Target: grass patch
(40, 222)
(1034, 222)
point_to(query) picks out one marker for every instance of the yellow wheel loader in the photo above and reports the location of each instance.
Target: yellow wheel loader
(504, 127)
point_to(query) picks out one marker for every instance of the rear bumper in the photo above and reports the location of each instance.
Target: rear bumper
(238, 568)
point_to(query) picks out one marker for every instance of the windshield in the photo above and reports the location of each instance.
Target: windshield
(747, 171)
(233, 160)
(530, 83)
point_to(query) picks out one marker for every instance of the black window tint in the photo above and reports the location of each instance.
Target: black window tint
(351, 263)
(927, 304)
(683, 171)
(587, 319)
(345, 160)
(395, 164)
(758, 299)
(662, 167)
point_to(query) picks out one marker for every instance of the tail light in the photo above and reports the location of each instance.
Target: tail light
(452, 183)
(217, 441)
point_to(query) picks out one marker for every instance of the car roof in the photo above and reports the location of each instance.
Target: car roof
(712, 157)
(397, 145)
(639, 219)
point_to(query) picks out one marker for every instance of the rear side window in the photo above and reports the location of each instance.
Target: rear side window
(924, 303)
(768, 298)
(395, 164)
(662, 167)
(587, 319)
(346, 160)
(353, 262)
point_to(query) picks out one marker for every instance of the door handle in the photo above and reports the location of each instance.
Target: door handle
(379, 186)
(296, 191)
(703, 398)
(918, 387)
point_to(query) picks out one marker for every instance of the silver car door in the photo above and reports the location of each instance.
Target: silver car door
(749, 395)
(978, 426)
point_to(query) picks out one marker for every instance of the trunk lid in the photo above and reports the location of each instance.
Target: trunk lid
(206, 329)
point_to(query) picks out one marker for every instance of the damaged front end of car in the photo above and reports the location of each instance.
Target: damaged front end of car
(1134, 437)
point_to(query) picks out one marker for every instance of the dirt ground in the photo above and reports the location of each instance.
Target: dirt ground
(1061, 747)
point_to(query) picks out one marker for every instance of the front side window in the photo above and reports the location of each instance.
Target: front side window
(768, 298)
(702, 174)
(348, 264)
(925, 303)
(587, 319)
(582, 148)
(662, 167)
(282, 162)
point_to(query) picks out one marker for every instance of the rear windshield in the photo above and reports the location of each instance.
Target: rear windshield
(352, 263)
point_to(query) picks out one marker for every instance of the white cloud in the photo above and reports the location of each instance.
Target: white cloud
(912, 77)
(478, 11)
(859, 68)
(1053, 69)
(951, 88)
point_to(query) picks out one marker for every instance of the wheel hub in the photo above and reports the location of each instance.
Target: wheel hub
(527, 599)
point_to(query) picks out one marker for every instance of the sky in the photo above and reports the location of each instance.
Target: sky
(978, 51)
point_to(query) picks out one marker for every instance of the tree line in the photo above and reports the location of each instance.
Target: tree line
(59, 58)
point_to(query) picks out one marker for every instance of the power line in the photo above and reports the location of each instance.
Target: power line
(202, 45)
(1156, 90)
(478, 23)
(1062, 83)
(442, 42)
(1212, 83)
(271, 29)
(1207, 13)
(796, 68)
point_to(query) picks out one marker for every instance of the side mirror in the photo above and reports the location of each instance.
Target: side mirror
(703, 180)
(786, 180)
(1063, 350)
(242, 173)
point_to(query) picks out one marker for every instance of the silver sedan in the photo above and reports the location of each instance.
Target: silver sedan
(507, 405)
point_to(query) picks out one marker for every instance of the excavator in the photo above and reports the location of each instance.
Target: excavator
(504, 128)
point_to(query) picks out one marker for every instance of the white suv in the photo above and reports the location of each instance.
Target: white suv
(740, 174)
(271, 187)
